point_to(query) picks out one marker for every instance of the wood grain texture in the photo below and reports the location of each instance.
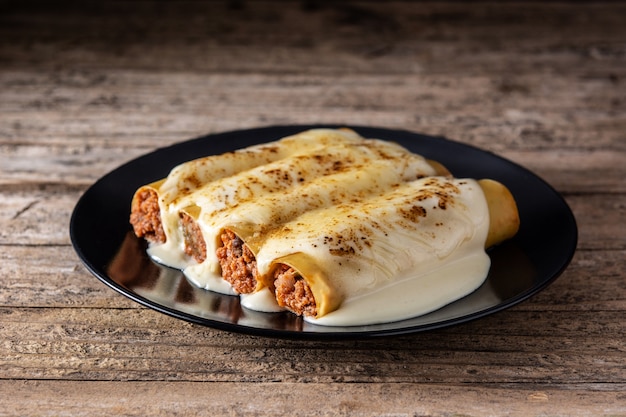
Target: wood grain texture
(86, 87)
(107, 398)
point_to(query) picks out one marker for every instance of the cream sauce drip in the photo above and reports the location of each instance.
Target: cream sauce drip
(364, 245)
(262, 300)
(415, 292)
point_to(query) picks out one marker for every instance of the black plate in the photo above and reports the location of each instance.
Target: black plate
(521, 267)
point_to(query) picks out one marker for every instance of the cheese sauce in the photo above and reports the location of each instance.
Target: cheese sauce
(390, 238)
(396, 256)
(415, 292)
(274, 193)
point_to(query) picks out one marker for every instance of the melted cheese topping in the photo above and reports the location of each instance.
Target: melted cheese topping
(393, 240)
(366, 244)
(269, 201)
(187, 178)
(396, 255)
(326, 166)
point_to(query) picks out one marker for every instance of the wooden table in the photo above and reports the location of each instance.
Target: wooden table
(85, 88)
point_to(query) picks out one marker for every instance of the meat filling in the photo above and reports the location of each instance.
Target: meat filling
(293, 292)
(195, 246)
(238, 263)
(145, 216)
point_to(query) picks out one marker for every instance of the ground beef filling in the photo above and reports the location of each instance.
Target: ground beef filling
(195, 246)
(293, 292)
(238, 263)
(145, 216)
(239, 268)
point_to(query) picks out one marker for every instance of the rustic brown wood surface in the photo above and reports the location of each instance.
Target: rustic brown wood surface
(87, 87)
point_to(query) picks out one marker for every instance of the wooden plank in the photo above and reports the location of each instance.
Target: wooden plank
(95, 398)
(53, 278)
(36, 216)
(511, 101)
(591, 282)
(590, 170)
(334, 38)
(511, 347)
(40, 217)
(157, 109)
(86, 87)
(56, 278)
(516, 126)
(569, 171)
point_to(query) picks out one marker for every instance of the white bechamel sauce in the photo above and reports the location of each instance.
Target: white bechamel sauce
(395, 271)
(382, 236)
(414, 294)
(166, 255)
(409, 268)
(200, 276)
(187, 177)
(262, 300)
(204, 275)
(275, 192)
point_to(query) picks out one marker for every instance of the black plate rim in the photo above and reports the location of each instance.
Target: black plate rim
(321, 335)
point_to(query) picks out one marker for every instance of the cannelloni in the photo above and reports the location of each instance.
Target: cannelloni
(325, 222)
